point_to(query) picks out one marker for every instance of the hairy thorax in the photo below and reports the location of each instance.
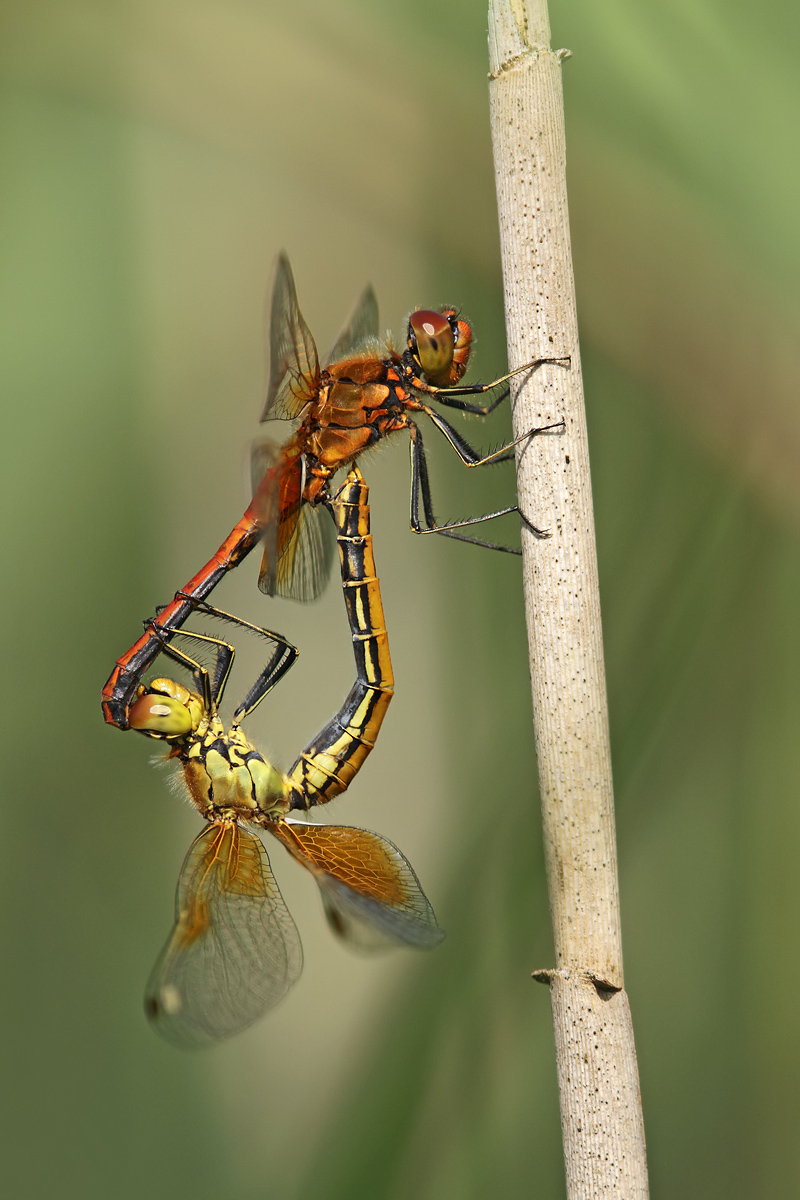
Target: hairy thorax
(225, 774)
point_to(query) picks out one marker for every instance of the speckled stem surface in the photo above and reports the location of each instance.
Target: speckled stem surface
(598, 1077)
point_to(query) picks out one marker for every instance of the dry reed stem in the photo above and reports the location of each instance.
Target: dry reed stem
(601, 1114)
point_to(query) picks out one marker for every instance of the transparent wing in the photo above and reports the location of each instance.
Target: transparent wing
(266, 457)
(293, 360)
(362, 327)
(372, 897)
(299, 540)
(234, 951)
(304, 565)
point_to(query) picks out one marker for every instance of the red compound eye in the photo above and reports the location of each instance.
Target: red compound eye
(430, 340)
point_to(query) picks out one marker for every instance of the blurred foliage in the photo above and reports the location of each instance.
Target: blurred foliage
(155, 157)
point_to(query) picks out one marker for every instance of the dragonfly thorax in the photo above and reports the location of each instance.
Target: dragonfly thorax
(226, 774)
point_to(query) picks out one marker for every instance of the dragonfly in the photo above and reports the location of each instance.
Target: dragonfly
(271, 494)
(234, 950)
(365, 392)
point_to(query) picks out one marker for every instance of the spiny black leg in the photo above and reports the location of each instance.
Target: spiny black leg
(445, 531)
(479, 410)
(501, 512)
(420, 483)
(281, 660)
(529, 525)
(468, 455)
(224, 654)
(209, 610)
(224, 660)
(502, 455)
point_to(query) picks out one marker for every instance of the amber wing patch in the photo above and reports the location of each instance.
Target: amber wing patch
(371, 895)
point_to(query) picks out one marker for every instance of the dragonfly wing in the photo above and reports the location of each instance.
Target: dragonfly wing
(266, 456)
(362, 327)
(299, 539)
(305, 564)
(298, 546)
(293, 360)
(371, 896)
(234, 951)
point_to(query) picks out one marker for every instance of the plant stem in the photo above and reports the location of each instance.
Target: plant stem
(601, 1113)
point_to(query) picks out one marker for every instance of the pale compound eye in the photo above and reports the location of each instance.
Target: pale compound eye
(160, 716)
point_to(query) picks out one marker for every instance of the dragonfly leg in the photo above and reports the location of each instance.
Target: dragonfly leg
(420, 486)
(282, 659)
(121, 686)
(469, 456)
(272, 673)
(211, 691)
(205, 609)
(465, 406)
(478, 389)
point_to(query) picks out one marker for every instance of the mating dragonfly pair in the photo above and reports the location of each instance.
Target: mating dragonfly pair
(234, 950)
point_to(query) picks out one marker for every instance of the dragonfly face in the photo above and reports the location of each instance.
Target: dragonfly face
(437, 346)
(166, 710)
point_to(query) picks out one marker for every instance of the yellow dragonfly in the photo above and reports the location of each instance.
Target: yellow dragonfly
(234, 950)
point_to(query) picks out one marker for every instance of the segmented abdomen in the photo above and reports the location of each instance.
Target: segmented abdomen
(327, 766)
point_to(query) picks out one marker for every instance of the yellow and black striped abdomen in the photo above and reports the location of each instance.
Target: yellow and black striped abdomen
(327, 766)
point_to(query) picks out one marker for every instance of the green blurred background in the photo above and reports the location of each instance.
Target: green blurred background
(154, 157)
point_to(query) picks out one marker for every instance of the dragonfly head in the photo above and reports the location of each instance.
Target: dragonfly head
(439, 345)
(166, 710)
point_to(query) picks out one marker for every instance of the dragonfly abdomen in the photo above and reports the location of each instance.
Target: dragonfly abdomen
(326, 767)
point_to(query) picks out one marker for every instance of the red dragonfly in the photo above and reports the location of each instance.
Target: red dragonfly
(365, 392)
(257, 524)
